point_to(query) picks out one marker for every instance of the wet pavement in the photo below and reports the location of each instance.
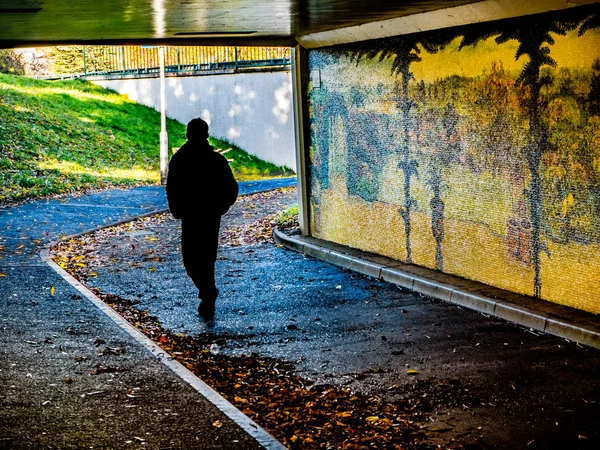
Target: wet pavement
(70, 377)
(28, 227)
(491, 384)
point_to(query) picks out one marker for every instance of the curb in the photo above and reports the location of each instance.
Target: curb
(51, 244)
(239, 418)
(547, 317)
(235, 415)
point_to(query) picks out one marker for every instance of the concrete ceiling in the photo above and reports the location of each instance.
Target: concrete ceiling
(29, 22)
(312, 23)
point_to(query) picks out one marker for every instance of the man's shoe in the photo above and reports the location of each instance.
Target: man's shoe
(206, 310)
(210, 298)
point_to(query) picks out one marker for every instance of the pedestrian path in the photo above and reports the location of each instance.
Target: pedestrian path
(28, 227)
(483, 380)
(536, 314)
(70, 376)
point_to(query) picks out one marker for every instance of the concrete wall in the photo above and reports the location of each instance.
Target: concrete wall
(251, 110)
(479, 160)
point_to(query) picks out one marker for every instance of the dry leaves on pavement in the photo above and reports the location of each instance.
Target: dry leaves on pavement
(298, 412)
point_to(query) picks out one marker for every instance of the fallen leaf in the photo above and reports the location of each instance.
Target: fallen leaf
(52, 290)
(217, 424)
(100, 369)
(92, 394)
(111, 351)
(412, 372)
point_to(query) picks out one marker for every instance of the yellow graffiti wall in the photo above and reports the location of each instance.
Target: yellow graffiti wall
(474, 151)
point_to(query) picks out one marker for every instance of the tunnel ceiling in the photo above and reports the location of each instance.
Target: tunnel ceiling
(270, 22)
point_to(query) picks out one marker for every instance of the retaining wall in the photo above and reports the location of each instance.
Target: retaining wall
(251, 110)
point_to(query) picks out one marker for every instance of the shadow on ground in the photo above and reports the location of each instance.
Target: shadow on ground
(487, 383)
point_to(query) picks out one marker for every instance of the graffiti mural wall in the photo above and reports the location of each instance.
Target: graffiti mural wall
(474, 151)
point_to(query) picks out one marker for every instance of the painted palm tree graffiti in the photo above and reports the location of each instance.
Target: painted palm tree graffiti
(438, 137)
(502, 122)
(534, 38)
(405, 51)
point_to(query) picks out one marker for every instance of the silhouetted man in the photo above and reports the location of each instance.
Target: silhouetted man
(200, 189)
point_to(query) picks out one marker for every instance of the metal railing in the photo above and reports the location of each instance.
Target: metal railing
(118, 61)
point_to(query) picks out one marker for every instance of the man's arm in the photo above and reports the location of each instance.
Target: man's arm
(229, 188)
(173, 188)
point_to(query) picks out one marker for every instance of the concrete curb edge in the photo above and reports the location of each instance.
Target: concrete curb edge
(239, 418)
(387, 269)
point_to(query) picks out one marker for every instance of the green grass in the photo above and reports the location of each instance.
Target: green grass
(66, 136)
(288, 217)
(249, 167)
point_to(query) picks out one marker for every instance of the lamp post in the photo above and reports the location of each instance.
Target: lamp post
(164, 139)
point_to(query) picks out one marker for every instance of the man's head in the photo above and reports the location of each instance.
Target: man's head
(197, 130)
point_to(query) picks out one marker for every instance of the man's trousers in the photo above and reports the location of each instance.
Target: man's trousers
(199, 244)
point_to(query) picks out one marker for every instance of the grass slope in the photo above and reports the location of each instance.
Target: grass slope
(65, 136)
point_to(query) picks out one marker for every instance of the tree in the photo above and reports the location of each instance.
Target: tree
(64, 60)
(80, 59)
(11, 62)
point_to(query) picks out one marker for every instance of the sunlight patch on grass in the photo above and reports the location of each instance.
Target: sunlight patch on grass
(71, 168)
(80, 95)
(21, 108)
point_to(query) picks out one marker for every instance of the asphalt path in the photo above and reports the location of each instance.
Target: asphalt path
(69, 376)
(489, 383)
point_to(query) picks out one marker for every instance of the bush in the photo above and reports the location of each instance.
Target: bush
(288, 218)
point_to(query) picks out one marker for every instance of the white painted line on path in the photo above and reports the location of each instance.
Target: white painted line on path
(239, 418)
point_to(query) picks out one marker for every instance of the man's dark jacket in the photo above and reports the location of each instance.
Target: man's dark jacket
(200, 182)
